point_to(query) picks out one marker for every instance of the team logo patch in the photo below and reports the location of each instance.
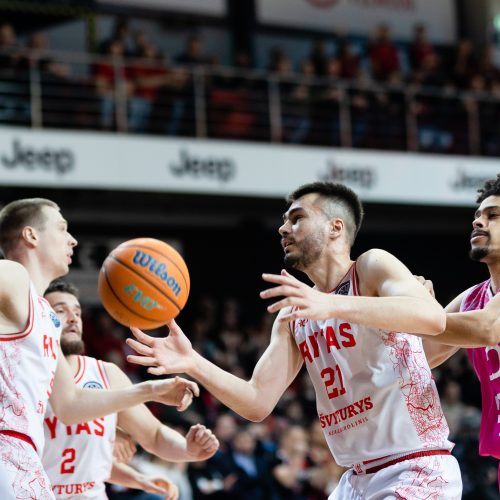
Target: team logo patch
(92, 384)
(55, 319)
(343, 289)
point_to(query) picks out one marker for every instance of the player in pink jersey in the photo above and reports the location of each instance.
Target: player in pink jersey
(473, 319)
(88, 464)
(38, 248)
(376, 399)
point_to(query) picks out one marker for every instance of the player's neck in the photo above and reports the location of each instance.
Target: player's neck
(37, 274)
(494, 269)
(328, 273)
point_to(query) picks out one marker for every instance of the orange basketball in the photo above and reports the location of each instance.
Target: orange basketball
(144, 283)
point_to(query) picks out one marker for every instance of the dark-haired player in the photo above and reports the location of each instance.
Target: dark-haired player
(376, 399)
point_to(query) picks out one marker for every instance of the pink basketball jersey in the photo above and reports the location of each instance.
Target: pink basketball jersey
(27, 367)
(78, 458)
(486, 364)
(374, 390)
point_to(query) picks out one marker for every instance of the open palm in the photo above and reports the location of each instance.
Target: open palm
(171, 354)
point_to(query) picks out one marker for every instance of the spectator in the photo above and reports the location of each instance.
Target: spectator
(420, 48)
(193, 52)
(463, 64)
(383, 53)
(111, 82)
(146, 75)
(318, 57)
(252, 473)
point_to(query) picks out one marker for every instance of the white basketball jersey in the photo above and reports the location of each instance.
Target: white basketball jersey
(374, 389)
(27, 367)
(78, 458)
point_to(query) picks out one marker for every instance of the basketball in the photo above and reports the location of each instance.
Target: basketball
(144, 283)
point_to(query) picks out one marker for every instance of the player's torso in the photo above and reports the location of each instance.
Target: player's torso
(486, 364)
(374, 390)
(27, 368)
(78, 457)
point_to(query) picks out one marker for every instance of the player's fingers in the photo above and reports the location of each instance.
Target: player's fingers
(186, 400)
(280, 305)
(157, 370)
(280, 279)
(151, 487)
(139, 348)
(188, 385)
(286, 290)
(141, 360)
(141, 336)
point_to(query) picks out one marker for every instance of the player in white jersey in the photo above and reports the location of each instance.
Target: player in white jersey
(376, 400)
(78, 459)
(37, 247)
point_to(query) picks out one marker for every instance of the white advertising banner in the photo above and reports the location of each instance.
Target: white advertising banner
(206, 7)
(362, 16)
(80, 160)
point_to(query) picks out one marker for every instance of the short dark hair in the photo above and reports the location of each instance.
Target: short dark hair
(62, 286)
(490, 188)
(338, 194)
(15, 216)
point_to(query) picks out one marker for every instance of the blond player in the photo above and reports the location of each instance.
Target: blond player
(35, 240)
(78, 458)
(376, 399)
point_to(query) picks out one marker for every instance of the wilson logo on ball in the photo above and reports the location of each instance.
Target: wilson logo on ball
(144, 283)
(143, 300)
(159, 269)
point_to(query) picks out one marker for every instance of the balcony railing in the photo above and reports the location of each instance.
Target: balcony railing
(88, 92)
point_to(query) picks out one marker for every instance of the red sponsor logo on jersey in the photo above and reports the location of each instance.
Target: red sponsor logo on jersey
(72, 489)
(346, 413)
(343, 338)
(50, 346)
(93, 428)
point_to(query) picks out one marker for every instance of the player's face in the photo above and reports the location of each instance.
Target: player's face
(303, 233)
(56, 244)
(69, 311)
(485, 236)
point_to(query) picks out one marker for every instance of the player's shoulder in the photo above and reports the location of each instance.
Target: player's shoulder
(13, 273)
(374, 259)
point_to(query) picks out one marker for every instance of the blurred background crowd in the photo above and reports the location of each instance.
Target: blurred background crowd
(336, 90)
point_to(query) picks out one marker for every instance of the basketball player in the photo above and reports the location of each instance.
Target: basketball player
(473, 319)
(78, 458)
(38, 247)
(376, 399)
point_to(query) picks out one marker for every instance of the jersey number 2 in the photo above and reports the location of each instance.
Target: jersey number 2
(69, 456)
(334, 382)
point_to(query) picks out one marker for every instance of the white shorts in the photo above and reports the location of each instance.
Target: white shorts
(21, 473)
(430, 477)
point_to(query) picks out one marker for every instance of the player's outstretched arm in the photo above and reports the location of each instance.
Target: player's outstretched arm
(72, 404)
(253, 399)
(391, 298)
(160, 440)
(125, 475)
(475, 328)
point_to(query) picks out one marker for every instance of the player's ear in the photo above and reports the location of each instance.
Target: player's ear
(30, 235)
(336, 226)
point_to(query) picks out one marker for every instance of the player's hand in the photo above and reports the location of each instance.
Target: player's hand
(307, 302)
(176, 392)
(124, 448)
(171, 354)
(427, 284)
(159, 486)
(201, 443)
